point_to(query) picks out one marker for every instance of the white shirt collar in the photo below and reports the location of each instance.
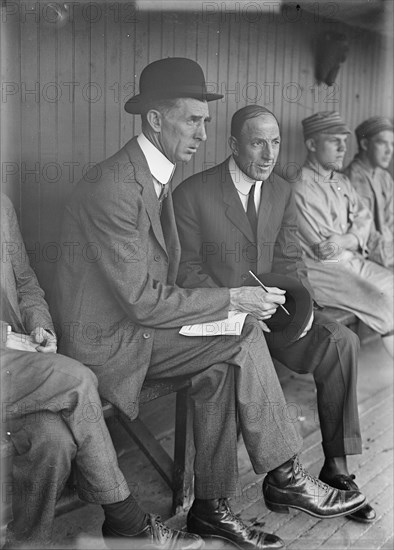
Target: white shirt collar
(160, 167)
(243, 183)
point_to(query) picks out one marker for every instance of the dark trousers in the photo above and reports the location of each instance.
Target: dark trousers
(230, 374)
(330, 352)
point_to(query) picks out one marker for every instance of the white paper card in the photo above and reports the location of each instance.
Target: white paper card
(232, 326)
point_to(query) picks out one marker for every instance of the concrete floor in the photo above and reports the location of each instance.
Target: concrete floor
(80, 529)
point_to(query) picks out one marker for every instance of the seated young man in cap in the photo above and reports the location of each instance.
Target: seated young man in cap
(124, 206)
(369, 176)
(240, 216)
(53, 414)
(334, 228)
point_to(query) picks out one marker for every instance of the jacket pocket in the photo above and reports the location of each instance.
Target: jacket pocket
(91, 354)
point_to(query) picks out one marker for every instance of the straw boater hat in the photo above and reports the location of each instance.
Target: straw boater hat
(170, 78)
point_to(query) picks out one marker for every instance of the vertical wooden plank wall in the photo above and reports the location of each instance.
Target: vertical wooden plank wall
(73, 79)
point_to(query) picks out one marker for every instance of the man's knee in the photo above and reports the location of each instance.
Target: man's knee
(335, 333)
(44, 433)
(83, 375)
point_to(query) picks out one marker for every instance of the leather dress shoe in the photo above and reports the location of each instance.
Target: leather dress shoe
(215, 518)
(366, 514)
(154, 536)
(290, 486)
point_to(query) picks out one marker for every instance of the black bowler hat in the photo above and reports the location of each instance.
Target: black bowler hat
(169, 78)
(286, 329)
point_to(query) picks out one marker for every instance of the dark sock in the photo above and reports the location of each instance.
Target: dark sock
(125, 516)
(334, 466)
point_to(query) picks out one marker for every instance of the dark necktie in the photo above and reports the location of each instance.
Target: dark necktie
(163, 195)
(251, 211)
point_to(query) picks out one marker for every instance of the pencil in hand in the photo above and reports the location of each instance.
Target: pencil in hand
(266, 289)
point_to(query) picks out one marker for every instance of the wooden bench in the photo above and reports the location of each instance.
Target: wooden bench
(177, 471)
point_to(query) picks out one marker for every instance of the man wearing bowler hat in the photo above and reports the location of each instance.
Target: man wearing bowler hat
(125, 209)
(369, 175)
(334, 226)
(240, 216)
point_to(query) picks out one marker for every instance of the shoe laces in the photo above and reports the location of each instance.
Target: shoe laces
(223, 503)
(298, 468)
(348, 480)
(158, 526)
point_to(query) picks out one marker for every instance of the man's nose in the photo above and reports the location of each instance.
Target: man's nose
(201, 133)
(268, 151)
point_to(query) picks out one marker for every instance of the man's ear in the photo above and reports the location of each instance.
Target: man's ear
(233, 144)
(310, 144)
(364, 144)
(153, 118)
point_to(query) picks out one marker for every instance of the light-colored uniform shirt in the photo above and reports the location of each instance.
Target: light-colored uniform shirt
(375, 187)
(327, 204)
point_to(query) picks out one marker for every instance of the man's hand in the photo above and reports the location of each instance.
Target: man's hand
(47, 341)
(333, 247)
(255, 301)
(20, 342)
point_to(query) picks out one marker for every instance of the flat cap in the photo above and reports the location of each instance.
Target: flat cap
(373, 126)
(326, 122)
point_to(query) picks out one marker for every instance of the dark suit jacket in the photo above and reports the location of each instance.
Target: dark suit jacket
(216, 237)
(115, 279)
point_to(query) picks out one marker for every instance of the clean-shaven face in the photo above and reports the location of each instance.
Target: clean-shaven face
(330, 150)
(183, 129)
(380, 149)
(257, 148)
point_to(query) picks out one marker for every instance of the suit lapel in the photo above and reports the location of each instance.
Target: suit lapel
(234, 209)
(266, 201)
(171, 238)
(144, 178)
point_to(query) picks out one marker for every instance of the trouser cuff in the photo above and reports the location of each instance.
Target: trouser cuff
(349, 446)
(105, 497)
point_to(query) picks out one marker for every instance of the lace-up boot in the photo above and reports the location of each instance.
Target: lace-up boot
(154, 536)
(214, 518)
(290, 486)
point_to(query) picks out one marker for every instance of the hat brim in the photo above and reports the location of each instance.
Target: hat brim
(286, 329)
(141, 103)
(340, 129)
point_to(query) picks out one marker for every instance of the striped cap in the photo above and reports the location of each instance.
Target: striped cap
(373, 126)
(326, 122)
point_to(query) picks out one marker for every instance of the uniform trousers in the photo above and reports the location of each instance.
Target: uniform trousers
(358, 285)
